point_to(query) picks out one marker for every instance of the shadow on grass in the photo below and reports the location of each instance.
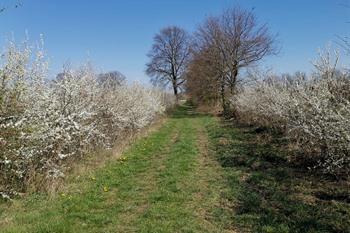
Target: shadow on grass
(268, 194)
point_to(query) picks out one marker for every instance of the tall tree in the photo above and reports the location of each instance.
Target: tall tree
(234, 40)
(169, 57)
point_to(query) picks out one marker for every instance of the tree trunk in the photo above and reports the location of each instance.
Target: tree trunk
(176, 92)
(225, 108)
(233, 80)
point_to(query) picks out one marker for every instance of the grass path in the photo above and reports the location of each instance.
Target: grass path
(194, 174)
(164, 183)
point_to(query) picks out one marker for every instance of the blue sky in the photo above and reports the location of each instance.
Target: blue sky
(116, 35)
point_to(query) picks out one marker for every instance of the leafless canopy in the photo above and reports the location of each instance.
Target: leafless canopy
(169, 57)
(16, 5)
(234, 40)
(111, 79)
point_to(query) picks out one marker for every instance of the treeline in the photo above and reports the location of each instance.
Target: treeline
(207, 63)
(215, 65)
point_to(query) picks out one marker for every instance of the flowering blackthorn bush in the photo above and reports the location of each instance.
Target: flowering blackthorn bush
(314, 111)
(46, 123)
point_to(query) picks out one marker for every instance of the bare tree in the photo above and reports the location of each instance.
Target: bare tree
(169, 57)
(111, 79)
(235, 40)
(15, 5)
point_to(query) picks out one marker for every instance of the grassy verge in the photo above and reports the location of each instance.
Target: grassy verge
(266, 194)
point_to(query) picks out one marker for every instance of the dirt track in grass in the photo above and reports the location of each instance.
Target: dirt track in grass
(165, 182)
(196, 173)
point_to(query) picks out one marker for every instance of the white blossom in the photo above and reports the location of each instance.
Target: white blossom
(314, 111)
(45, 123)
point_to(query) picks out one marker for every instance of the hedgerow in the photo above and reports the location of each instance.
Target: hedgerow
(46, 123)
(313, 111)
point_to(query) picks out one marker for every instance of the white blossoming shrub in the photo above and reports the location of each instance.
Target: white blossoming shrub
(47, 123)
(21, 68)
(313, 111)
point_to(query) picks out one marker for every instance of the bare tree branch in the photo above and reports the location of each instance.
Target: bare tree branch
(169, 57)
(234, 40)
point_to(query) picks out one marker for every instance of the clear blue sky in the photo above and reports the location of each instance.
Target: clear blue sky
(116, 35)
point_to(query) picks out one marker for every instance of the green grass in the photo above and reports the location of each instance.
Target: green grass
(194, 174)
(162, 184)
(268, 194)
